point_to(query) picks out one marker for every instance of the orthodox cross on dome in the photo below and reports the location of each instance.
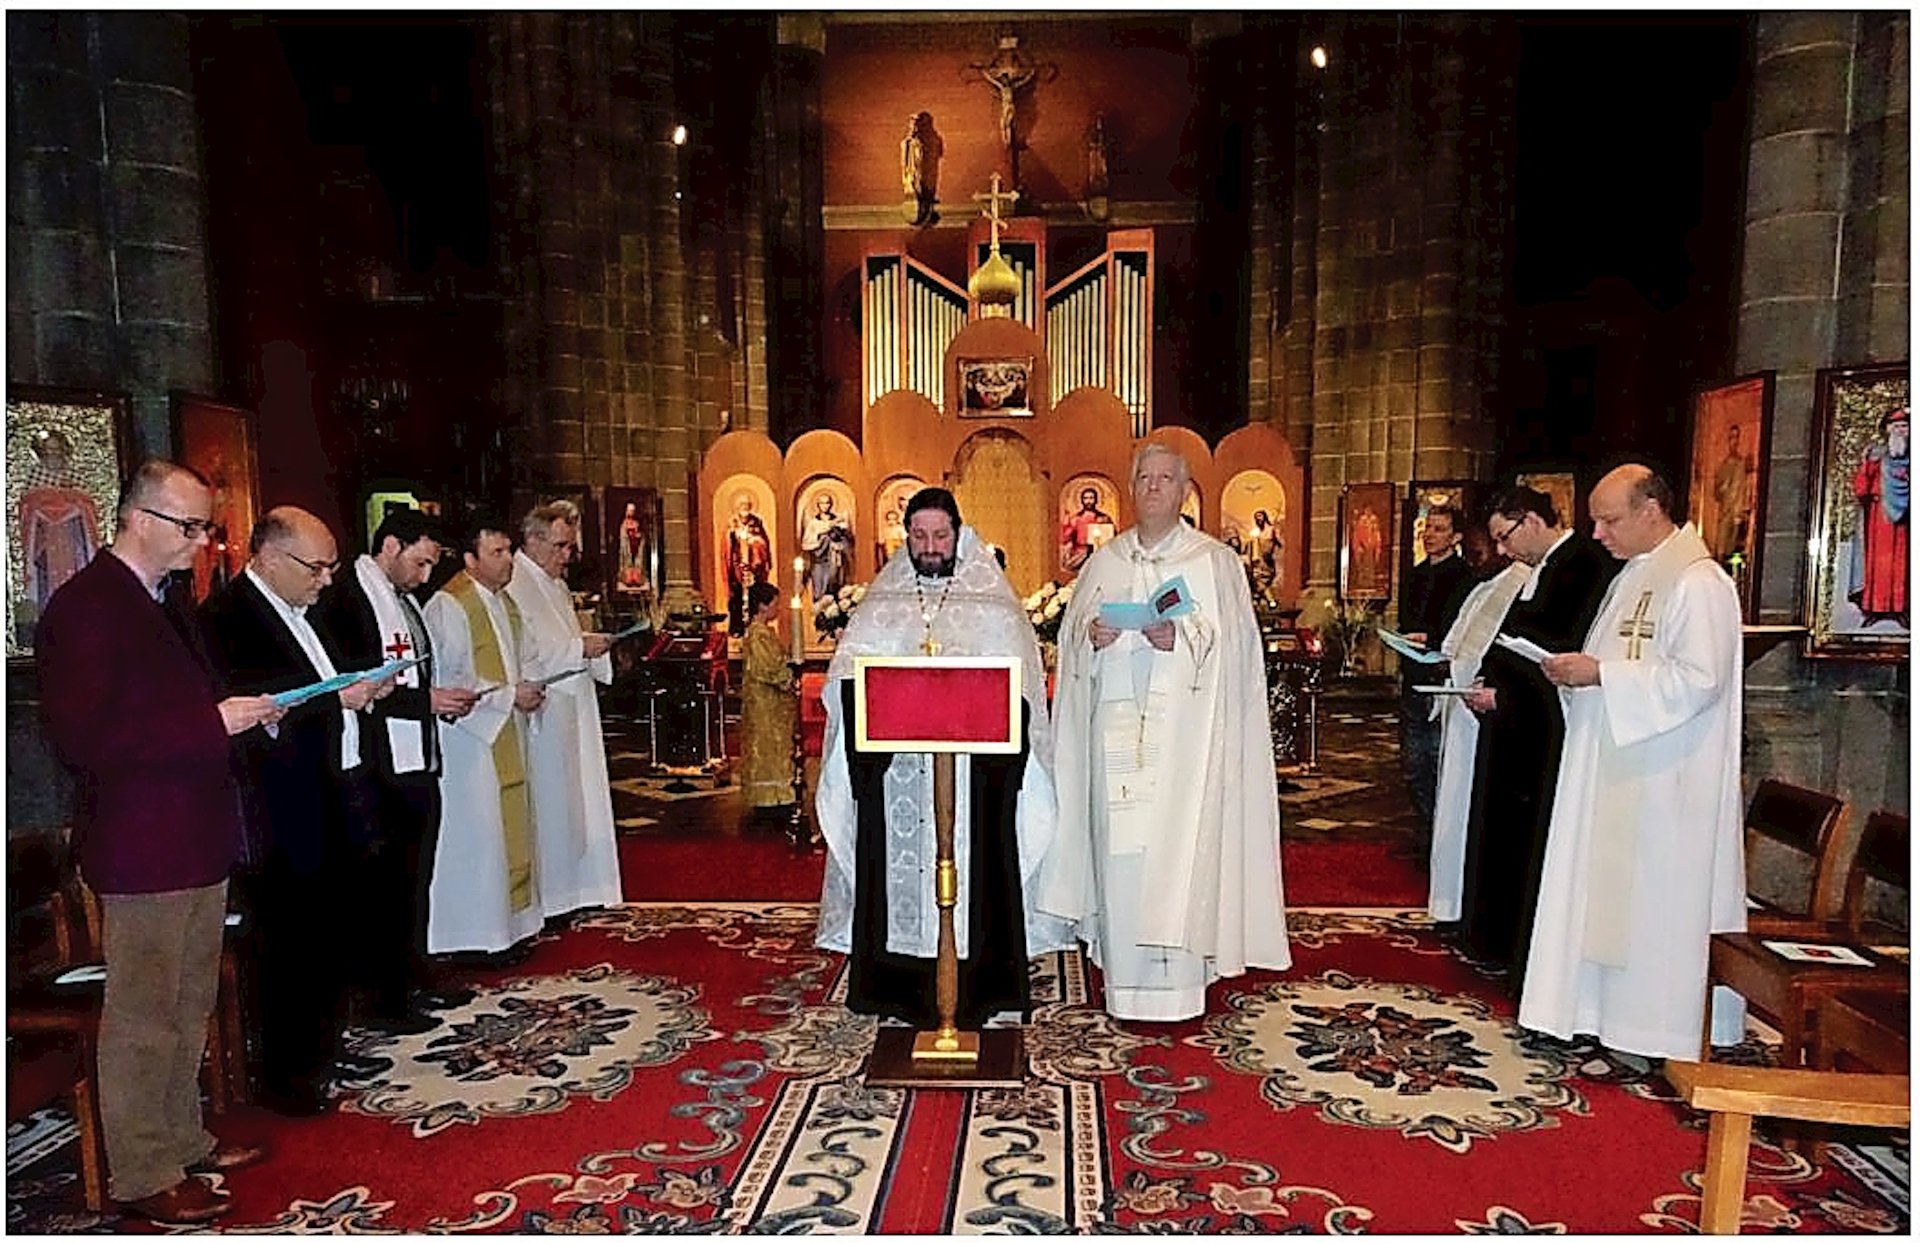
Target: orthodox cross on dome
(993, 199)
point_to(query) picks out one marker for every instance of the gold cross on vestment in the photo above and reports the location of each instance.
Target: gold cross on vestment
(1636, 629)
(993, 200)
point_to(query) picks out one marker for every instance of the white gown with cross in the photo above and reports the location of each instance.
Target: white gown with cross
(1644, 857)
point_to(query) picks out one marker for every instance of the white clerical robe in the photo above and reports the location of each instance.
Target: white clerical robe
(1465, 645)
(567, 757)
(1168, 797)
(1644, 857)
(975, 613)
(469, 906)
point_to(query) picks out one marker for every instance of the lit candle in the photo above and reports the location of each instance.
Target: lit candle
(799, 584)
(796, 628)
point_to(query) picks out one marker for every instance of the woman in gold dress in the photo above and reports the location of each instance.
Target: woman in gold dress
(769, 706)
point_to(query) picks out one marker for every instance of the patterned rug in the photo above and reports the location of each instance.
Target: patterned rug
(683, 1068)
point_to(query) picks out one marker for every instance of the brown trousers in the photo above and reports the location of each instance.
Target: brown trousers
(163, 977)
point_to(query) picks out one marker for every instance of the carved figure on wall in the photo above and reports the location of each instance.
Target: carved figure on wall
(1262, 552)
(1006, 74)
(59, 524)
(749, 560)
(1097, 158)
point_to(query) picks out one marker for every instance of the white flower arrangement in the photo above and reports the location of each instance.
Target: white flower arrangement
(1045, 607)
(831, 613)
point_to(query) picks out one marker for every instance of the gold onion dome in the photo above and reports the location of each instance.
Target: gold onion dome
(994, 283)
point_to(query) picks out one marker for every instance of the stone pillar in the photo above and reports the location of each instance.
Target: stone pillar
(795, 231)
(106, 236)
(1823, 284)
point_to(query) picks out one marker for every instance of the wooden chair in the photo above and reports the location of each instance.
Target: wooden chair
(1736, 1095)
(1785, 992)
(1810, 824)
(1858, 1029)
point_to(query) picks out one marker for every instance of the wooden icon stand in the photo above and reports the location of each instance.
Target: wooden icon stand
(943, 706)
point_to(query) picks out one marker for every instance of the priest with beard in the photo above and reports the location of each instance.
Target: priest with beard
(943, 595)
(1169, 807)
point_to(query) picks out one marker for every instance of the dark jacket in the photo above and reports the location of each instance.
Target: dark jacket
(132, 706)
(292, 780)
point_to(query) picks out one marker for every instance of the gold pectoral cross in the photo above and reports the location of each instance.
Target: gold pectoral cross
(931, 645)
(1637, 628)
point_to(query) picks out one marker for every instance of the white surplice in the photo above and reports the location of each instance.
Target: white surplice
(1465, 645)
(1169, 807)
(579, 862)
(468, 904)
(974, 613)
(1645, 858)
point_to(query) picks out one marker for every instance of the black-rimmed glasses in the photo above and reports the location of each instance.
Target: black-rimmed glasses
(1507, 534)
(192, 528)
(315, 568)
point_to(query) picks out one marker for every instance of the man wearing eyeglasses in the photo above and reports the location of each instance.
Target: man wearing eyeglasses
(309, 798)
(369, 616)
(1521, 729)
(132, 705)
(579, 865)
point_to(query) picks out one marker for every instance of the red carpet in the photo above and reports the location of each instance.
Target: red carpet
(685, 1069)
(1350, 873)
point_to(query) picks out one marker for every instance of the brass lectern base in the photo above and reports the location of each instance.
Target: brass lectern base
(1002, 1062)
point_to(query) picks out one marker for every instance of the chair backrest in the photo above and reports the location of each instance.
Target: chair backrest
(1809, 823)
(1882, 856)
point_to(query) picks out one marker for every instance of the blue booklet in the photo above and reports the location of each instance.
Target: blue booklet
(1408, 648)
(340, 681)
(1169, 599)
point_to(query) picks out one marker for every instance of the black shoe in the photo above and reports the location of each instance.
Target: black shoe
(443, 998)
(405, 1025)
(354, 1066)
(298, 1100)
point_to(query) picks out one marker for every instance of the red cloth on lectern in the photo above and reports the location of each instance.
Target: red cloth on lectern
(971, 705)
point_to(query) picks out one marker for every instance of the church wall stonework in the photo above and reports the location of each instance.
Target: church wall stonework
(1824, 284)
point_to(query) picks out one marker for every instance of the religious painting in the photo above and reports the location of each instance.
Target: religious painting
(217, 441)
(1366, 541)
(1088, 505)
(1190, 506)
(890, 516)
(824, 518)
(1858, 568)
(995, 387)
(1252, 507)
(1727, 487)
(631, 554)
(66, 450)
(1559, 487)
(745, 534)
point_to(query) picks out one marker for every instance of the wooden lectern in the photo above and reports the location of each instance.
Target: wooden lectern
(943, 706)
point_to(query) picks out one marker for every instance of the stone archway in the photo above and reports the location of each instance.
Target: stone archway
(1004, 497)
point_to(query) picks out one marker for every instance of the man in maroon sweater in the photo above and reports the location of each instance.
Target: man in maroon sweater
(130, 705)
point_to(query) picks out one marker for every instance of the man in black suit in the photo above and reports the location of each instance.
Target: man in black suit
(1430, 599)
(306, 799)
(1521, 726)
(369, 616)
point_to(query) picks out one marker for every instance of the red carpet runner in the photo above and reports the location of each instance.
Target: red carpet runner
(672, 1069)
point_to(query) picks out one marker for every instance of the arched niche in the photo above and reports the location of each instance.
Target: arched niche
(824, 454)
(1005, 498)
(1261, 447)
(742, 511)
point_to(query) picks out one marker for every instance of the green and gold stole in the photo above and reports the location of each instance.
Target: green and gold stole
(509, 756)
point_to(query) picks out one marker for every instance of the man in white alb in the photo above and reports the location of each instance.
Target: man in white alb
(485, 895)
(1164, 762)
(1644, 854)
(579, 863)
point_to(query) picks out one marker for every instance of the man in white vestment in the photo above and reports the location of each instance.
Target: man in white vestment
(943, 595)
(1465, 644)
(1169, 811)
(579, 864)
(1644, 854)
(485, 894)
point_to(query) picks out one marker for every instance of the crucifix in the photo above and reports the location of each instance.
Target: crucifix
(1637, 628)
(993, 198)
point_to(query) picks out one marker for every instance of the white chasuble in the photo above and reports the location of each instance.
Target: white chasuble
(1169, 807)
(973, 613)
(567, 755)
(1465, 646)
(1644, 858)
(471, 902)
